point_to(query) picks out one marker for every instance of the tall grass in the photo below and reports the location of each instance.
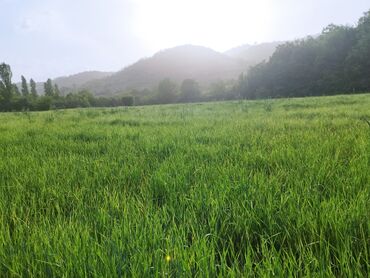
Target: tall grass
(248, 188)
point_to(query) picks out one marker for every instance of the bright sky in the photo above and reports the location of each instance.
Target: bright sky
(51, 38)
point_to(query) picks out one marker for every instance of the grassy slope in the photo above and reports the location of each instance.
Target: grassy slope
(259, 187)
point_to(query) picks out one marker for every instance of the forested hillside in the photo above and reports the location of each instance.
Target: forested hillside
(337, 61)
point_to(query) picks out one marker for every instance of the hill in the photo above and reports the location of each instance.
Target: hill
(188, 61)
(73, 82)
(200, 63)
(78, 80)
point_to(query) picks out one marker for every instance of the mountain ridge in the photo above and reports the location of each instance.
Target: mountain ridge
(182, 62)
(203, 64)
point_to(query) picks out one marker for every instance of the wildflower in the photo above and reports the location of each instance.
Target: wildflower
(168, 258)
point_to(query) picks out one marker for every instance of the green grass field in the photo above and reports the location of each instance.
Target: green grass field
(250, 188)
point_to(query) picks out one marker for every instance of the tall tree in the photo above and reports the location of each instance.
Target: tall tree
(358, 61)
(33, 88)
(56, 91)
(167, 91)
(25, 91)
(16, 91)
(49, 88)
(6, 86)
(217, 89)
(189, 90)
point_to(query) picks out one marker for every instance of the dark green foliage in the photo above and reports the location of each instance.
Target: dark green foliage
(167, 91)
(16, 91)
(12, 100)
(80, 99)
(48, 88)
(128, 101)
(190, 91)
(6, 86)
(335, 62)
(358, 60)
(33, 88)
(56, 91)
(43, 103)
(25, 91)
(222, 90)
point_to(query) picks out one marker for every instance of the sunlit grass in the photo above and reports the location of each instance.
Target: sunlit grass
(247, 188)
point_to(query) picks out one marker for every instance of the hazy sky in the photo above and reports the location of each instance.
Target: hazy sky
(50, 38)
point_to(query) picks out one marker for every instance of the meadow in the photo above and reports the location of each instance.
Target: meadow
(228, 189)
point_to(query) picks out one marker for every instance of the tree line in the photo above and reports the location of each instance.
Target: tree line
(168, 91)
(27, 98)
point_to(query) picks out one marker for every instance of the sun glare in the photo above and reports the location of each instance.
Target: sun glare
(217, 24)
